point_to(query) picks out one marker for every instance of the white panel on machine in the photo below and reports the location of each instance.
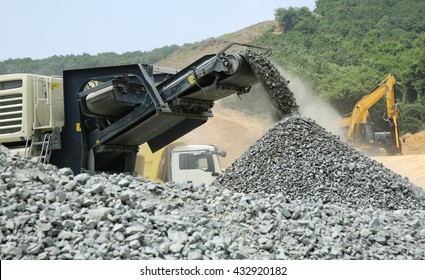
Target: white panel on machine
(29, 102)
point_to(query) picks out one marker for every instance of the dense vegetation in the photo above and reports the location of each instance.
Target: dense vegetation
(344, 48)
(56, 64)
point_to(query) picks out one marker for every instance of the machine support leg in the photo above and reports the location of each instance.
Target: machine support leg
(152, 90)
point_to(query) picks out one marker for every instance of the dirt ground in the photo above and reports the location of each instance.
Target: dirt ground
(235, 132)
(410, 166)
(231, 130)
(412, 163)
(414, 144)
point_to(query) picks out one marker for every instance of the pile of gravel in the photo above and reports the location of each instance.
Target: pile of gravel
(48, 213)
(301, 160)
(298, 193)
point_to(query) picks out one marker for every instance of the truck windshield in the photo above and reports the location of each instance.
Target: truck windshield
(203, 161)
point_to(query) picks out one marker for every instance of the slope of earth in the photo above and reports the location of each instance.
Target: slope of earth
(414, 144)
(191, 52)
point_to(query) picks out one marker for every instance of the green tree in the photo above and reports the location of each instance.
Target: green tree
(353, 46)
(297, 19)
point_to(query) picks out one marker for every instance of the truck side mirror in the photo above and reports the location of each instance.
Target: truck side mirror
(219, 152)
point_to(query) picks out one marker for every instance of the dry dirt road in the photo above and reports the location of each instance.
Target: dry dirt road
(412, 163)
(410, 166)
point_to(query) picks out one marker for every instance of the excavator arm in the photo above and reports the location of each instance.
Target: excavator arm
(346, 120)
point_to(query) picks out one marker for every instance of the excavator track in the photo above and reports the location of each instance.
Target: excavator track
(281, 97)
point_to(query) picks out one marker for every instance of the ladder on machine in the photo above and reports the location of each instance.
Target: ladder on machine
(44, 138)
(41, 142)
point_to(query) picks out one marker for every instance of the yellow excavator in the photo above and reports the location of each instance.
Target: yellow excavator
(359, 130)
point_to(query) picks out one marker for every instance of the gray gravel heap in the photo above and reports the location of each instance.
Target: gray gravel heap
(48, 213)
(301, 160)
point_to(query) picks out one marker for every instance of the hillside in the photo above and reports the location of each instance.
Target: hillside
(54, 65)
(173, 56)
(191, 52)
(345, 48)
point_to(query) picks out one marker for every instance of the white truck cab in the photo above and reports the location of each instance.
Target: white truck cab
(180, 163)
(195, 164)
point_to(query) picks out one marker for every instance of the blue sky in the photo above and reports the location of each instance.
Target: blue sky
(42, 28)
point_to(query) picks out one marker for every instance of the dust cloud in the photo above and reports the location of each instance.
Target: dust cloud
(264, 107)
(312, 106)
(235, 128)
